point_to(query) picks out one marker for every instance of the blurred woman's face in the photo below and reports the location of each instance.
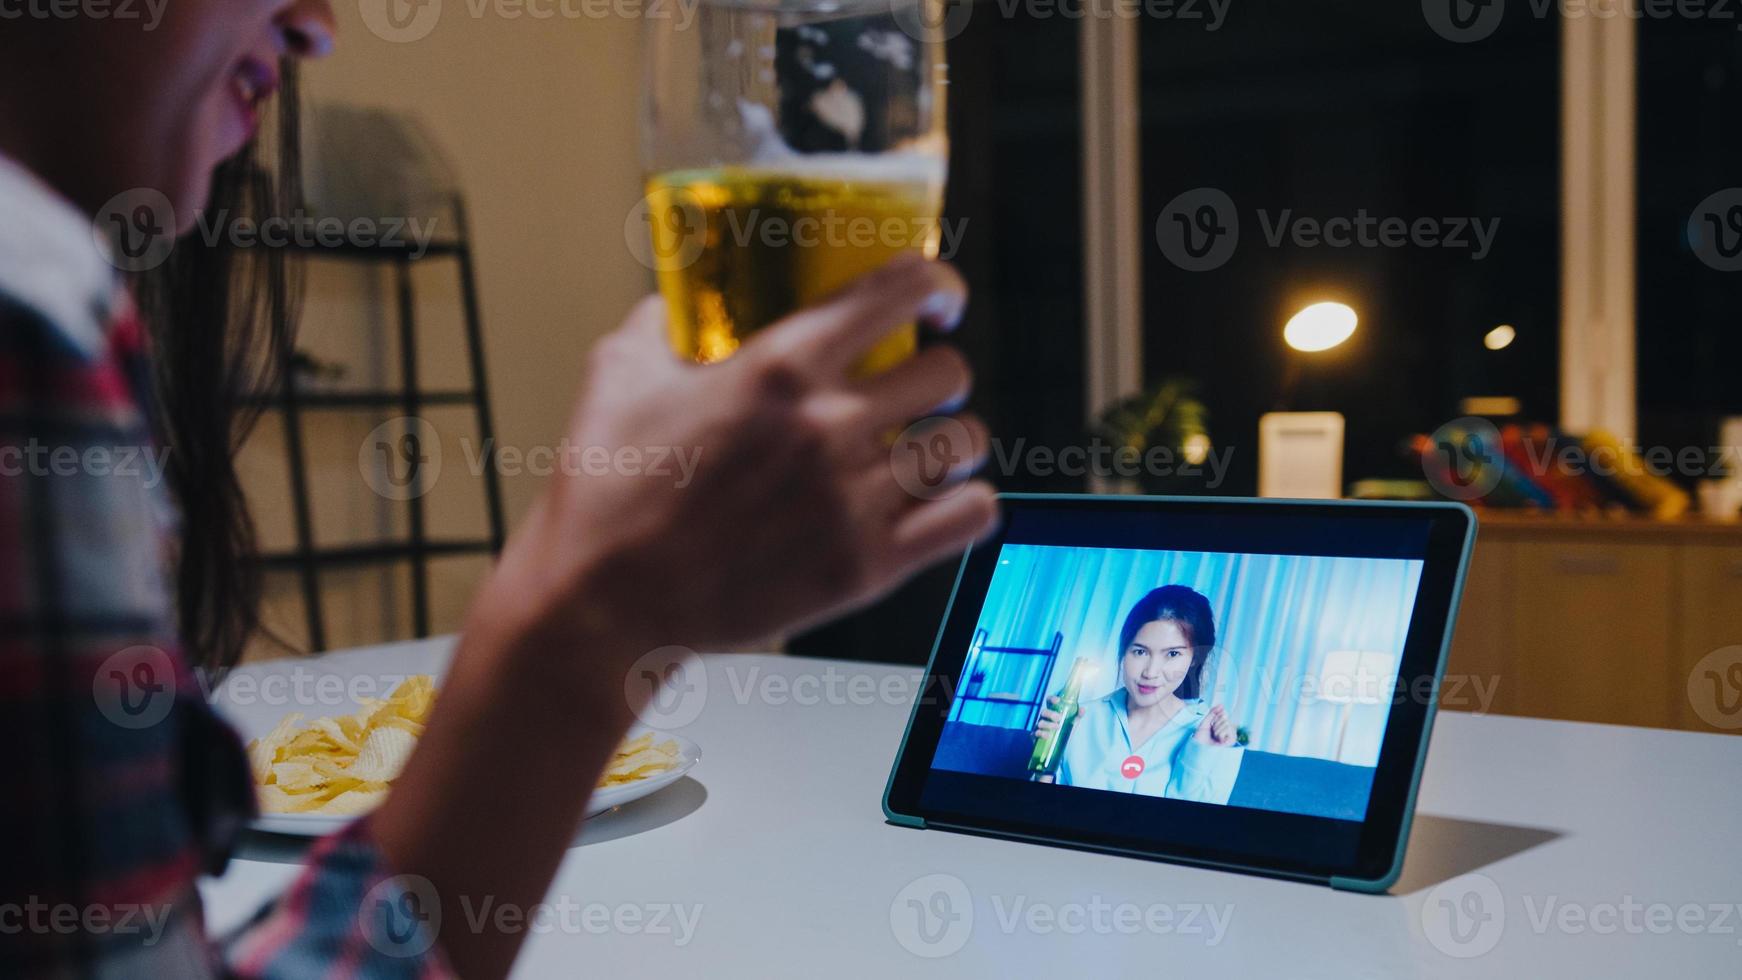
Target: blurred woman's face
(1156, 662)
(157, 104)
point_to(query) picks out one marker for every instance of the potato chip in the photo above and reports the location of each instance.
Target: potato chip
(384, 754)
(640, 758)
(342, 766)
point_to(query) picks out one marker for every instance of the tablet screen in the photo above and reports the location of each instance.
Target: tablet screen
(1240, 683)
(1258, 680)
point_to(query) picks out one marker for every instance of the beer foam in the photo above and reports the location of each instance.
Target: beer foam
(917, 161)
(895, 167)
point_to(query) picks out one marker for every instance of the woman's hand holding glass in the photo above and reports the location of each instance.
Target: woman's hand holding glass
(789, 510)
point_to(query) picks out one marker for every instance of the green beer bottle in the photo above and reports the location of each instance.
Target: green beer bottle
(1049, 750)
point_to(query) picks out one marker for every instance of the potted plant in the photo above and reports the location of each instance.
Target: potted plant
(1166, 416)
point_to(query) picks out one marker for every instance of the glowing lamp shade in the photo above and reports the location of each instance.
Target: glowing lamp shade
(1348, 678)
(1500, 337)
(1320, 326)
(1356, 677)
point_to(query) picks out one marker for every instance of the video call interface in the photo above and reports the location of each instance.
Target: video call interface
(1244, 679)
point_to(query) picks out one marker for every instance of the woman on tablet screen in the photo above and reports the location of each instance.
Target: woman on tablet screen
(1155, 734)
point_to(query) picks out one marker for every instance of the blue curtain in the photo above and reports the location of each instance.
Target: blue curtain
(1277, 616)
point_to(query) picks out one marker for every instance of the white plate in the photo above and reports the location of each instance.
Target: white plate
(608, 798)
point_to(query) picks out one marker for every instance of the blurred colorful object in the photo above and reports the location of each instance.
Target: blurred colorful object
(1532, 465)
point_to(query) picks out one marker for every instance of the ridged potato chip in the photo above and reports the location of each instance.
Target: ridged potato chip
(343, 766)
(340, 766)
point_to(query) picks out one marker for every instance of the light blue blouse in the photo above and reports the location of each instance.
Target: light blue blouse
(1174, 764)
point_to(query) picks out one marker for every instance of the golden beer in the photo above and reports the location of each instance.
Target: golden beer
(737, 248)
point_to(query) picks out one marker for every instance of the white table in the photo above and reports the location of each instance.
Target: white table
(1570, 849)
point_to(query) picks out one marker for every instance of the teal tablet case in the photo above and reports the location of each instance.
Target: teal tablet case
(1369, 886)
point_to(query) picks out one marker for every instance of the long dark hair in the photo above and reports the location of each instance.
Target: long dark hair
(1188, 608)
(220, 317)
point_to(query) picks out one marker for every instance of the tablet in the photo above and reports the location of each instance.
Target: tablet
(1242, 684)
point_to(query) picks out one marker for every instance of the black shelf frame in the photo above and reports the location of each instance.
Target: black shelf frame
(978, 648)
(309, 560)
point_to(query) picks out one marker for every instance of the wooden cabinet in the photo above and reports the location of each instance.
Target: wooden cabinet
(1709, 611)
(1479, 671)
(1594, 620)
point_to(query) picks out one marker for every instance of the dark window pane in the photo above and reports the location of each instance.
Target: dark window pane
(1345, 109)
(1690, 154)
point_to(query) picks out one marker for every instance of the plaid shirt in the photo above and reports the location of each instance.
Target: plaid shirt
(121, 785)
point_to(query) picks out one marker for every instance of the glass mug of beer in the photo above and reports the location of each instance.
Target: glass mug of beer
(790, 147)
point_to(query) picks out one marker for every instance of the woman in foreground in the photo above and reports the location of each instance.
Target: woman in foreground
(794, 514)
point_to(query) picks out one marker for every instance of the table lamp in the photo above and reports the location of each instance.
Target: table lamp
(1351, 677)
(1300, 454)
